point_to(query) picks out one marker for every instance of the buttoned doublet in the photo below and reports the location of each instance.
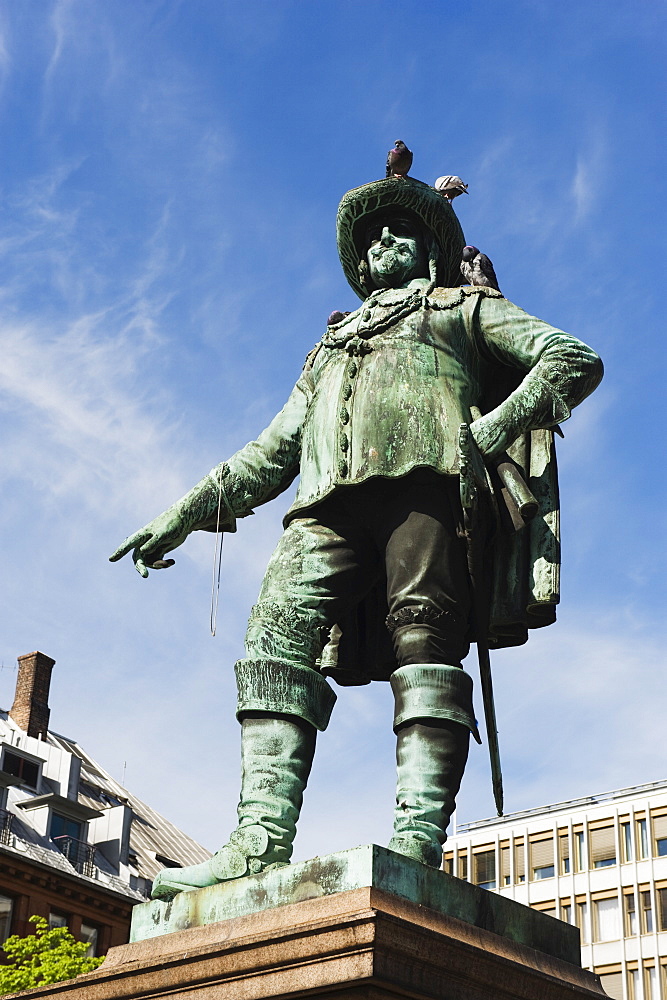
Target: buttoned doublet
(387, 388)
(382, 396)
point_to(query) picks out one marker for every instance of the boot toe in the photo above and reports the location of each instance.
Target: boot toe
(170, 881)
(427, 852)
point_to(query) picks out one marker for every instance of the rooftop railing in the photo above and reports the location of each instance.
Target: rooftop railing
(79, 854)
(6, 820)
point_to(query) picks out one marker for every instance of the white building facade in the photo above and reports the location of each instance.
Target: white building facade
(599, 862)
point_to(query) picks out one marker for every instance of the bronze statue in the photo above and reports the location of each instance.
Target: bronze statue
(371, 579)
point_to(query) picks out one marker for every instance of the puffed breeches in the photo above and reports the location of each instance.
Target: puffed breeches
(326, 562)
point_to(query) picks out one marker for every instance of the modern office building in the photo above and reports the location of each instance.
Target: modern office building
(75, 846)
(599, 862)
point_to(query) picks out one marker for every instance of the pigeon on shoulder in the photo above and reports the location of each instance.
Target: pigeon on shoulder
(477, 269)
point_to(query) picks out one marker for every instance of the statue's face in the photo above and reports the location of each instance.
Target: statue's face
(396, 252)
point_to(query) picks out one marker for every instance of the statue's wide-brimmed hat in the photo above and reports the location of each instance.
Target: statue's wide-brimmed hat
(359, 205)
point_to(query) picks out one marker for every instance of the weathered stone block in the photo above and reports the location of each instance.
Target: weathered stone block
(369, 865)
(408, 931)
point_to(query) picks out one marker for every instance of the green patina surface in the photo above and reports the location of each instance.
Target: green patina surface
(385, 391)
(355, 589)
(369, 865)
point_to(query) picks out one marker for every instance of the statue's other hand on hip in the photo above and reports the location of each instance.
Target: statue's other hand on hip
(492, 434)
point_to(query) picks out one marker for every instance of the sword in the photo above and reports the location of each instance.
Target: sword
(474, 550)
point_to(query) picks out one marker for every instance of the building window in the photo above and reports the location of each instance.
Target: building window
(661, 905)
(542, 858)
(642, 840)
(6, 906)
(564, 853)
(566, 913)
(548, 908)
(505, 863)
(606, 919)
(66, 835)
(633, 985)
(583, 922)
(612, 984)
(58, 920)
(89, 934)
(579, 850)
(650, 983)
(626, 842)
(646, 911)
(603, 847)
(660, 835)
(463, 865)
(519, 861)
(484, 863)
(663, 978)
(448, 864)
(63, 827)
(630, 914)
(21, 767)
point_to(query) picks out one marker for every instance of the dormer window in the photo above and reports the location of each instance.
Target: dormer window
(67, 834)
(23, 768)
(61, 827)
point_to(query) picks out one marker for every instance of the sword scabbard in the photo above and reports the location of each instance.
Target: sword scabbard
(469, 503)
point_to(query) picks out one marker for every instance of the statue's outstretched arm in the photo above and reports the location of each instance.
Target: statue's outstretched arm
(560, 372)
(255, 474)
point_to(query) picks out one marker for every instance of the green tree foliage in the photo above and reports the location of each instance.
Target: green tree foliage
(47, 956)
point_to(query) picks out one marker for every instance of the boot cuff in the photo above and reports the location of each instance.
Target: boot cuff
(274, 686)
(433, 691)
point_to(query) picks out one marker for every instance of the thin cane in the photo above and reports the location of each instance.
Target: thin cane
(217, 559)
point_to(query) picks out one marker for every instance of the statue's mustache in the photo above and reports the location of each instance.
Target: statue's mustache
(378, 252)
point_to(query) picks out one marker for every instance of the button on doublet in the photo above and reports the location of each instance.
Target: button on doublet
(344, 417)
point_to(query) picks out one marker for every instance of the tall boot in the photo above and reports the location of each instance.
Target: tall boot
(276, 757)
(433, 721)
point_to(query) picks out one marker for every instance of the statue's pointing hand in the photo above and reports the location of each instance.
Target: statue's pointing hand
(150, 543)
(203, 506)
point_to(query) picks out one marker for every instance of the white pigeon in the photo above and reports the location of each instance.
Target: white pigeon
(450, 187)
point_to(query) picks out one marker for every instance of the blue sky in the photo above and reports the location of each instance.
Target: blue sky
(168, 188)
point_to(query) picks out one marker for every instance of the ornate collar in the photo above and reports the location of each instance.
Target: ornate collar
(382, 309)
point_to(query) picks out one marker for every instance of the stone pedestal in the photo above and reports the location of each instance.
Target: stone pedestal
(314, 933)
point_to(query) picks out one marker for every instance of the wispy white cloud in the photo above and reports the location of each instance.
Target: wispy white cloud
(589, 180)
(60, 16)
(5, 57)
(81, 432)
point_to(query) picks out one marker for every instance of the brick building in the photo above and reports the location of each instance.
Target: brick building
(75, 846)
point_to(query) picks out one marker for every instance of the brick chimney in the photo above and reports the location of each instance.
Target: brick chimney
(31, 709)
